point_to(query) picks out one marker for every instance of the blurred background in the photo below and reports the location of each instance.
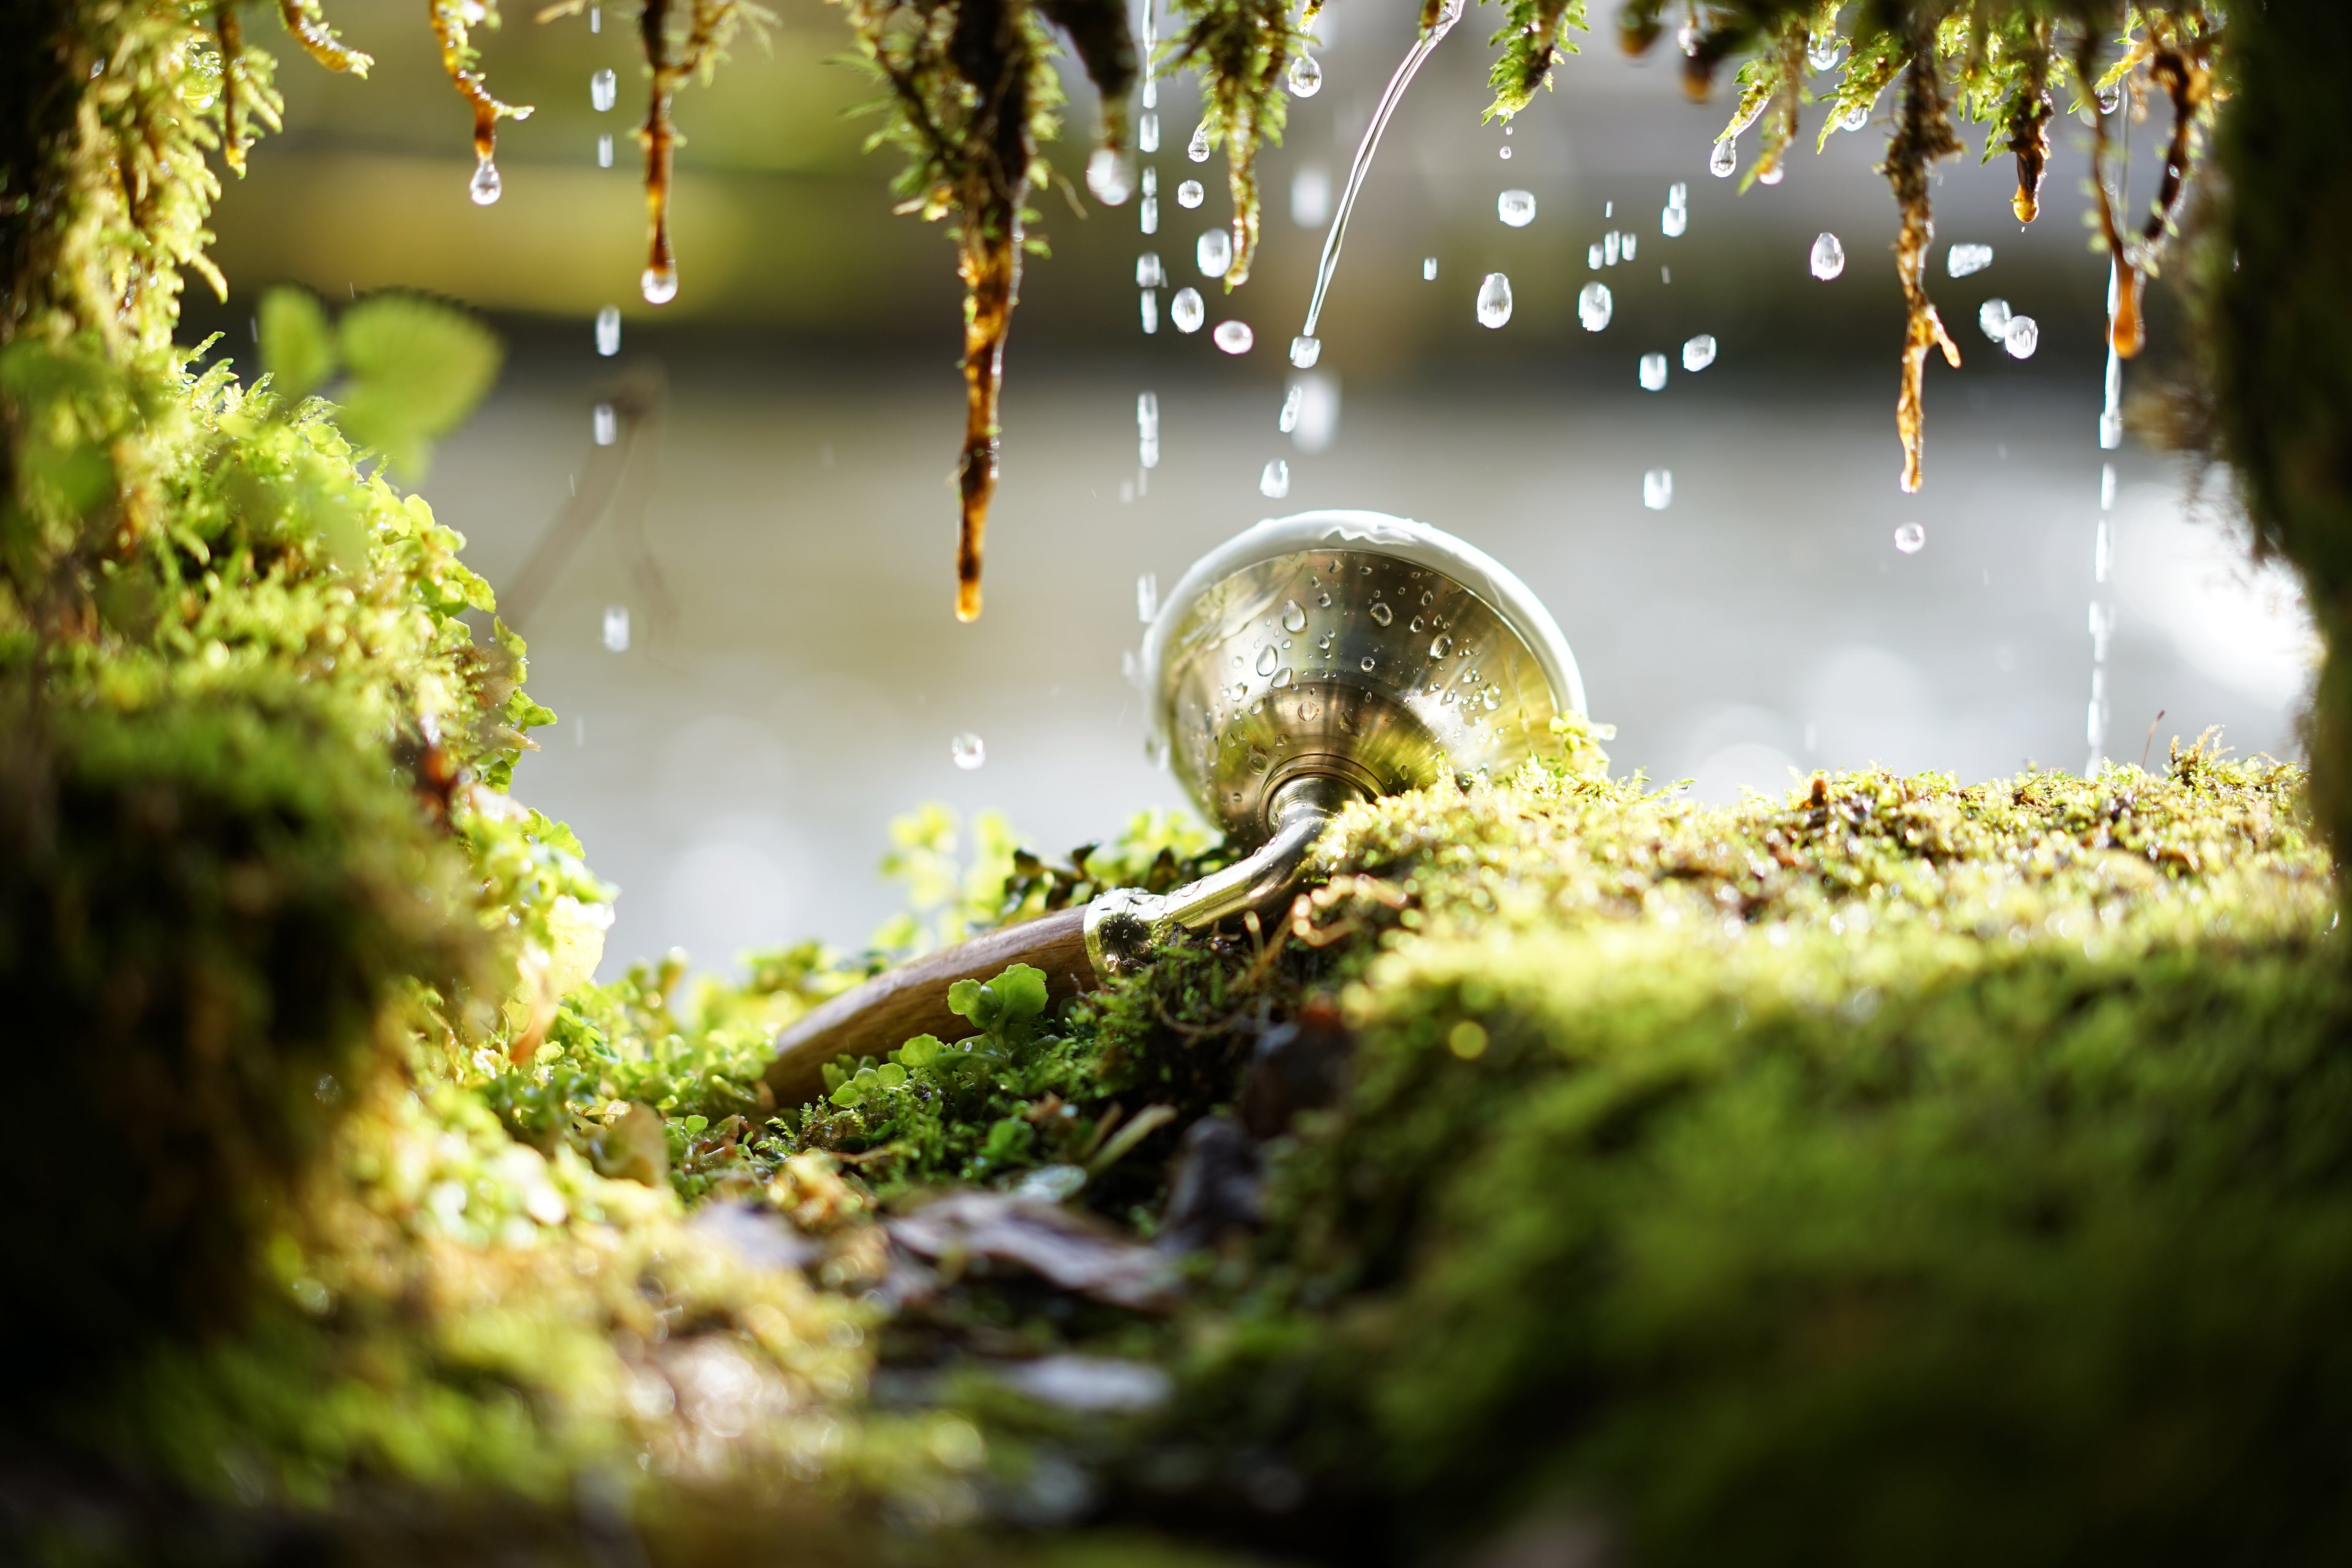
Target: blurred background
(741, 608)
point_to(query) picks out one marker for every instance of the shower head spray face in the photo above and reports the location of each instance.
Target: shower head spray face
(1373, 652)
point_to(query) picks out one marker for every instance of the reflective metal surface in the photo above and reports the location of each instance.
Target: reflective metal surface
(1348, 664)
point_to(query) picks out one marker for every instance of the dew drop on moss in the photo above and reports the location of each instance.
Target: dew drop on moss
(1305, 77)
(1723, 160)
(1197, 149)
(485, 186)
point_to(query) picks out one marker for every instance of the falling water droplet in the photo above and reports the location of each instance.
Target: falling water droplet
(1828, 257)
(1594, 306)
(1611, 248)
(1150, 303)
(659, 284)
(968, 749)
(1515, 208)
(1698, 353)
(604, 90)
(2020, 337)
(616, 629)
(595, 18)
(1592, 255)
(1147, 597)
(1275, 484)
(1305, 77)
(1910, 539)
(1191, 193)
(1214, 253)
(1110, 177)
(603, 151)
(1147, 133)
(1658, 488)
(1627, 243)
(1992, 320)
(1493, 300)
(1197, 149)
(604, 425)
(1653, 373)
(1304, 351)
(1673, 221)
(485, 186)
(1147, 430)
(1381, 613)
(1267, 658)
(1724, 159)
(608, 331)
(1963, 259)
(1506, 154)
(1290, 402)
(1187, 312)
(1147, 212)
(1234, 337)
(1147, 273)
(1293, 619)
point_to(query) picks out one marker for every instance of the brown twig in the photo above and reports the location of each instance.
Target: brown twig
(303, 20)
(1923, 133)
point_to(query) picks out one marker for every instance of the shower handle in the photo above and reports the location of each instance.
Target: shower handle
(1077, 949)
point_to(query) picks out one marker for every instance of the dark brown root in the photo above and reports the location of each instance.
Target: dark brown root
(231, 33)
(454, 33)
(1923, 133)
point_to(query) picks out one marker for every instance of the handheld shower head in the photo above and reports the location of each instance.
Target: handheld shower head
(1309, 661)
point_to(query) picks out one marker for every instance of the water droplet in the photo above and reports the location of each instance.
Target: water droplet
(1428, 269)
(1673, 221)
(1290, 402)
(608, 331)
(604, 425)
(1416, 626)
(1992, 320)
(658, 284)
(1724, 159)
(604, 90)
(1492, 698)
(1240, 690)
(1282, 679)
(1293, 619)
(1151, 307)
(1234, 337)
(1515, 208)
(2110, 96)
(485, 186)
(1147, 212)
(1187, 312)
(1687, 36)
(1829, 257)
(1274, 483)
(1109, 176)
(1197, 149)
(1266, 659)
(1382, 615)
(1772, 174)
(1147, 414)
(1214, 253)
(1658, 488)
(1855, 119)
(1653, 373)
(616, 629)
(1910, 539)
(1304, 351)
(1305, 77)
(1609, 248)
(1627, 245)
(1147, 133)
(1594, 306)
(1148, 271)
(1323, 601)
(1493, 300)
(1963, 259)
(1441, 647)
(968, 749)
(595, 18)
(1823, 50)
(2020, 337)
(1698, 353)
(1191, 193)
(1368, 664)
(603, 151)
(1147, 597)
(1257, 758)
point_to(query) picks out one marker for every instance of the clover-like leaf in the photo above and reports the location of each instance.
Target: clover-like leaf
(418, 368)
(297, 345)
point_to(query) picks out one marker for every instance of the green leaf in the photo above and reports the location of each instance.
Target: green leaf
(921, 1051)
(1020, 992)
(418, 369)
(970, 998)
(298, 346)
(849, 1094)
